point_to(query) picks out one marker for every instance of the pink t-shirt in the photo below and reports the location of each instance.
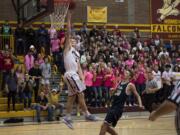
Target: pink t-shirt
(88, 78)
(129, 63)
(141, 79)
(55, 45)
(99, 80)
(116, 81)
(109, 80)
(40, 61)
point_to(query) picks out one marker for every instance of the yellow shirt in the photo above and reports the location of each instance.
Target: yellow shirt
(54, 99)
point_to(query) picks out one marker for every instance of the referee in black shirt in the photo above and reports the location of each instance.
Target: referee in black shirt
(171, 104)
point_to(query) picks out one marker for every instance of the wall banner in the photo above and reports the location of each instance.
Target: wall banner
(165, 18)
(97, 14)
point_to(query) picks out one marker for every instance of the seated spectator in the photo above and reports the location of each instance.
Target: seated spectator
(11, 88)
(42, 104)
(54, 101)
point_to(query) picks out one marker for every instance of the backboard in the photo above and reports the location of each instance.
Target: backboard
(29, 11)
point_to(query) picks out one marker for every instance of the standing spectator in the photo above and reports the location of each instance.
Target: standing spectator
(97, 86)
(20, 76)
(27, 91)
(135, 36)
(55, 46)
(6, 31)
(84, 28)
(157, 76)
(157, 41)
(88, 79)
(40, 59)
(167, 78)
(43, 37)
(150, 91)
(30, 37)
(42, 103)
(46, 72)
(7, 66)
(11, 88)
(108, 84)
(129, 62)
(20, 39)
(29, 61)
(140, 79)
(1, 65)
(36, 74)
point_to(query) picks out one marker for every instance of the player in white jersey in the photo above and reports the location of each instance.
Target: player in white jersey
(74, 78)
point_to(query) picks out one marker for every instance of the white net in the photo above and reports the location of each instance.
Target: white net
(57, 18)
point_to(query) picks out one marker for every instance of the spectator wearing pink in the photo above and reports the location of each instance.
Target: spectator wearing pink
(116, 79)
(29, 61)
(97, 86)
(55, 46)
(40, 59)
(130, 62)
(88, 74)
(21, 77)
(140, 79)
(108, 83)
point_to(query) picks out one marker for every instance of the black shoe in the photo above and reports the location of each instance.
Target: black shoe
(57, 118)
(39, 121)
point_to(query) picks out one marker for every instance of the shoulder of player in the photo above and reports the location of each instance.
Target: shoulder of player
(67, 49)
(131, 86)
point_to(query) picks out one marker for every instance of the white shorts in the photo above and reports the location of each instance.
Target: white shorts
(75, 85)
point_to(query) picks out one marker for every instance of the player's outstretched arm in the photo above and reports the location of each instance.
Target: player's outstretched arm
(165, 108)
(134, 91)
(68, 35)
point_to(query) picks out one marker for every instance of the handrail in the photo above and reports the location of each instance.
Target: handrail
(7, 39)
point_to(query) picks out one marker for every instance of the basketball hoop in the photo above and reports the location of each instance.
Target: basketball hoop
(57, 18)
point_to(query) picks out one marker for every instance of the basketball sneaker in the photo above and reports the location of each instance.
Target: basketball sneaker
(91, 117)
(68, 122)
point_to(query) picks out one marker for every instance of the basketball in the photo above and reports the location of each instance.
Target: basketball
(72, 4)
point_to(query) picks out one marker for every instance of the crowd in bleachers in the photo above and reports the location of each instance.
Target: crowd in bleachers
(104, 55)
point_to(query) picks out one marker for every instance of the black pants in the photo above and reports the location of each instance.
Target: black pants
(4, 75)
(148, 100)
(11, 95)
(20, 46)
(36, 90)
